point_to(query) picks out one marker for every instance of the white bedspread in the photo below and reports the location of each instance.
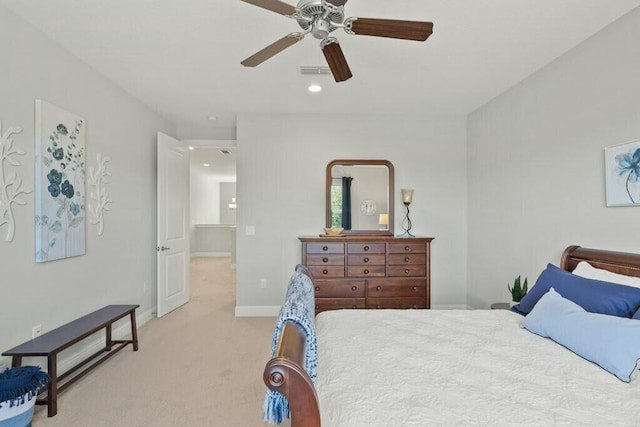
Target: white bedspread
(458, 367)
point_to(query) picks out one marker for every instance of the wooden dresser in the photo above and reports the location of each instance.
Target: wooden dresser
(358, 271)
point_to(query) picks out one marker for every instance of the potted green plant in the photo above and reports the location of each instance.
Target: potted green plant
(19, 387)
(518, 291)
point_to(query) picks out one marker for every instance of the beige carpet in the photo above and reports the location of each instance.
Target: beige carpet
(197, 366)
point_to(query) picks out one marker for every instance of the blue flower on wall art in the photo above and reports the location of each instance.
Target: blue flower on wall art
(60, 208)
(623, 174)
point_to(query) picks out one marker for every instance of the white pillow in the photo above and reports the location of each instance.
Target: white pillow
(586, 270)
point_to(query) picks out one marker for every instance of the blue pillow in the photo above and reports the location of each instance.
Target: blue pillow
(594, 296)
(611, 342)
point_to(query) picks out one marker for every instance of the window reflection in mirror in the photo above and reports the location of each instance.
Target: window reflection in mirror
(360, 196)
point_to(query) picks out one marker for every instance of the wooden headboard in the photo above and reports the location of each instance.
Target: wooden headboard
(617, 262)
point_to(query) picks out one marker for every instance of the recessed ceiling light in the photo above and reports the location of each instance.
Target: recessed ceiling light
(212, 118)
(315, 88)
(191, 147)
(206, 165)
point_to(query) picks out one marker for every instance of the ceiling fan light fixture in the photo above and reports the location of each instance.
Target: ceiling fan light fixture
(315, 88)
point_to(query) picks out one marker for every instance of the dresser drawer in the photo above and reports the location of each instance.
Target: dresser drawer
(366, 271)
(323, 304)
(327, 271)
(366, 248)
(408, 258)
(339, 288)
(325, 248)
(378, 288)
(396, 303)
(408, 270)
(407, 248)
(328, 259)
(364, 259)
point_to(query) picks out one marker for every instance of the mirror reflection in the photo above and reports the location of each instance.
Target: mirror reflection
(360, 196)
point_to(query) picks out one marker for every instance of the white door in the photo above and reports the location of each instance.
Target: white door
(173, 220)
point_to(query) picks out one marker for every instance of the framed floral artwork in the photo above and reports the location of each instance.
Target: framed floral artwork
(622, 164)
(59, 183)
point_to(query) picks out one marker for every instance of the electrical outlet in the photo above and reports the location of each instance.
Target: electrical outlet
(250, 230)
(36, 331)
(263, 283)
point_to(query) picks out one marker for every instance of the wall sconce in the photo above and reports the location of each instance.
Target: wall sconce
(407, 198)
(233, 205)
(384, 221)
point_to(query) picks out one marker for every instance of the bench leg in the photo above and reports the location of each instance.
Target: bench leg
(52, 389)
(16, 361)
(134, 330)
(109, 342)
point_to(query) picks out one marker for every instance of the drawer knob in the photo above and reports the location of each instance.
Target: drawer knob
(378, 288)
(378, 306)
(407, 271)
(317, 307)
(325, 271)
(317, 288)
(354, 307)
(325, 259)
(407, 259)
(366, 271)
(366, 248)
(366, 260)
(415, 306)
(325, 248)
(354, 288)
(406, 248)
(415, 289)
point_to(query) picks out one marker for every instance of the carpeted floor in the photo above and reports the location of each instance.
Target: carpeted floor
(197, 366)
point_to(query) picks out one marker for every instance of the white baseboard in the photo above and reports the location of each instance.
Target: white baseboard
(257, 310)
(450, 307)
(210, 254)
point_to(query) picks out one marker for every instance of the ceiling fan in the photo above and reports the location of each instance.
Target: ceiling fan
(320, 18)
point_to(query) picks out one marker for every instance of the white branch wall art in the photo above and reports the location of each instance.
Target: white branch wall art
(99, 195)
(59, 183)
(10, 184)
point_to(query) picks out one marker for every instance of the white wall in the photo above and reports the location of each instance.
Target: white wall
(116, 264)
(536, 162)
(205, 198)
(281, 191)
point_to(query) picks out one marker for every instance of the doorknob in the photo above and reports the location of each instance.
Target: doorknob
(162, 249)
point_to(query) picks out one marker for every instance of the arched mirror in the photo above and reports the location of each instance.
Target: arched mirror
(360, 196)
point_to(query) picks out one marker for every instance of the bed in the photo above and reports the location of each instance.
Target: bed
(453, 367)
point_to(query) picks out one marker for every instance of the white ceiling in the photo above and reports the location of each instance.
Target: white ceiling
(182, 58)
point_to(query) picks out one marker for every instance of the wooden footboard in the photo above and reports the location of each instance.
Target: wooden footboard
(284, 373)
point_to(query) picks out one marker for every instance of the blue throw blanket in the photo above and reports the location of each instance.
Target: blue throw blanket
(299, 307)
(21, 382)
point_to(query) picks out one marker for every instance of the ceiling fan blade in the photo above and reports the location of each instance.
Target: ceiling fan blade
(337, 2)
(406, 30)
(336, 60)
(274, 5)
(272, 50)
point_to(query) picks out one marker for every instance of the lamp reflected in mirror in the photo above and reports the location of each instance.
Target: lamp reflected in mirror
(384, 221)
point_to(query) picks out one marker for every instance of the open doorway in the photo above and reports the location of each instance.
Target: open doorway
(213, 205)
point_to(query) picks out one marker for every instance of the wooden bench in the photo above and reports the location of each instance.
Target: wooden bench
(53, 342)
